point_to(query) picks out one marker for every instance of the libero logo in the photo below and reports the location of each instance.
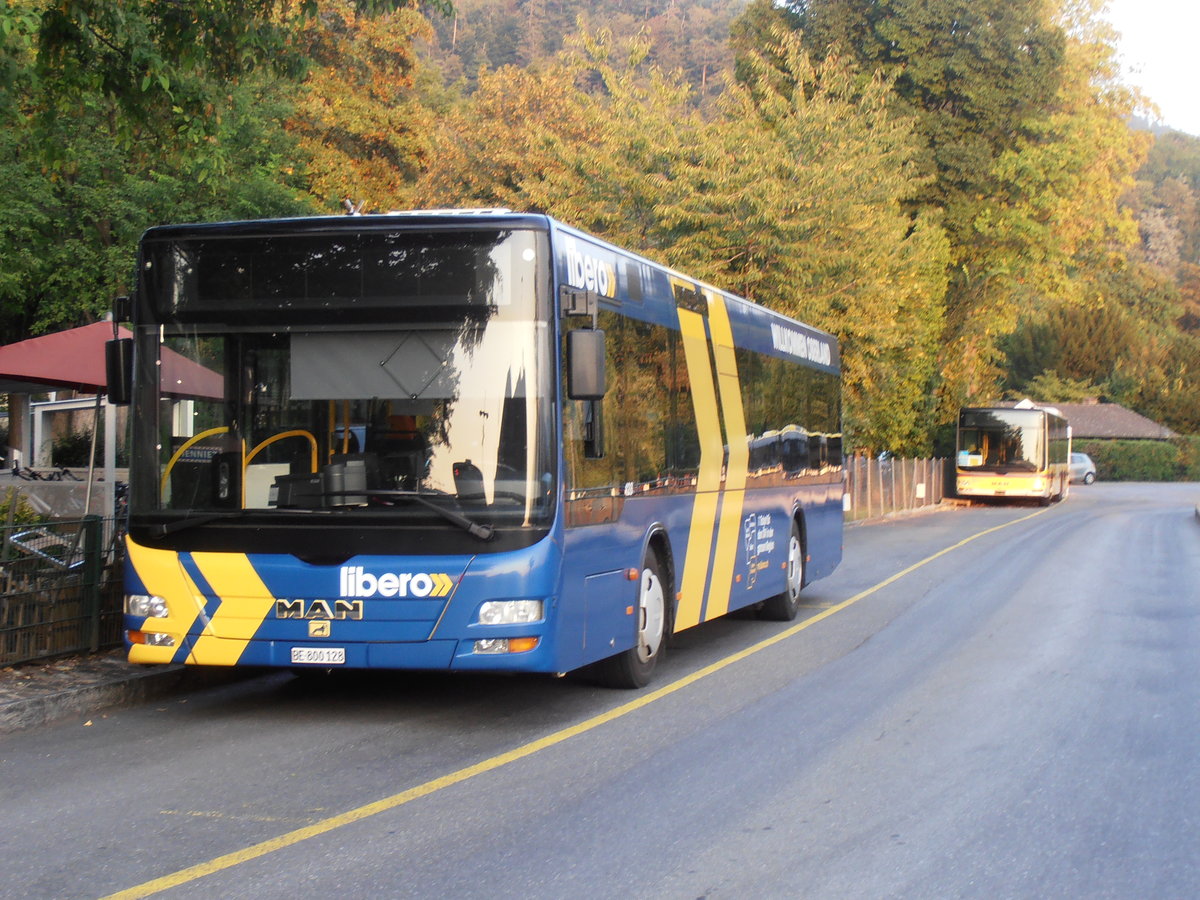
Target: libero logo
(589, 272)
(357, 582)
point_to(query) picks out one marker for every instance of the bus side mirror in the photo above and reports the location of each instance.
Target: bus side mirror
(122, 309)
(118, 363)
(586, 364)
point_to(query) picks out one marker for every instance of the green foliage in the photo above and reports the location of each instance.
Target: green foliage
(1189, 458)
(358, 119)
(1074, 344)
(1168, 387)
(73, 449)
(163, 65)
(973, 71)
(22, 513)
(1026, 141)
(685, 36)
(832, 241)
(606, 141)
(1133, 460)
(1166, 202)
(160, 65)
(78, 190)
(1051, 388)
(938, 182)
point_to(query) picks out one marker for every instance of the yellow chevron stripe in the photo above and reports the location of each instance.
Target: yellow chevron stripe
(708, 480)
(164, 577)
(729, 534)
(245, 602)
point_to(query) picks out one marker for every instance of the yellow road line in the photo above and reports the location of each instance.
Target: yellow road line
(324, 826)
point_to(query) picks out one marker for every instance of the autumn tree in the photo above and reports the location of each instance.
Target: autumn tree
(1025, 138)
(484, 151)
(121, 115)
(1055, 230)
(793, 194)
(800, 199)
(1166, 203)
(358, 119)
(1074, 342)
(687, 36)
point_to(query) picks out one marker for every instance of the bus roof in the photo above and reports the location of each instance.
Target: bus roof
(444, 220)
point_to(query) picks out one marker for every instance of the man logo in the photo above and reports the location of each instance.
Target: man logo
(319, 609)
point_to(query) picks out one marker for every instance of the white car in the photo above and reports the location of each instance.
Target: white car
(1082, 468)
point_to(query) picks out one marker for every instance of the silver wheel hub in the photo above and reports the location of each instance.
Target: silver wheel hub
(652, 615)
(795, 569)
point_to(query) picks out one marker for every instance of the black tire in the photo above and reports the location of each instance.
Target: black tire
(632, 668)
(1089, 477)
(784, 607)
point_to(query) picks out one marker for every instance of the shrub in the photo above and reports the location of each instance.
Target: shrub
(1133, 460)
(1189, 458)
(24, 514)
(73, 449)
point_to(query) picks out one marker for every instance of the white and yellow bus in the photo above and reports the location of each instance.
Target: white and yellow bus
(1007, 452)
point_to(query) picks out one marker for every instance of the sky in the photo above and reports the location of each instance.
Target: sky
(1158, 50)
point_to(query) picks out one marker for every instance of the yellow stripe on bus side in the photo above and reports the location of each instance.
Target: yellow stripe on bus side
(245, 602)
(708, 479)
(729, 535)
(163, 576)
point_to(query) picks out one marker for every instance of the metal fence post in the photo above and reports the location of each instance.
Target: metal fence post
(869, 463)
(93, 560)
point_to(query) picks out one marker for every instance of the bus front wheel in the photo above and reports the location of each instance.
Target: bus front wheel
(784, 607)
(633, 667)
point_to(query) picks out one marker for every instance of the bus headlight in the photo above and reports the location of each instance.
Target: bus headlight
(506, 645)
(146, 606)
(150, 638)
(510, 612)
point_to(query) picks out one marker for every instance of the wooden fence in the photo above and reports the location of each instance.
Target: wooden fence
(880, 487)
(60, 590)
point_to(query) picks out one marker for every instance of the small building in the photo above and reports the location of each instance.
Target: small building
(1111, 421)
(1094, 420)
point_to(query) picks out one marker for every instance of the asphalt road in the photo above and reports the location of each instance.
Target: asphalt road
(985, 702)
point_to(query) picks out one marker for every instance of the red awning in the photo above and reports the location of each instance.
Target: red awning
(75, 359)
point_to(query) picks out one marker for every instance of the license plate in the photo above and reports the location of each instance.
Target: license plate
(319, 656)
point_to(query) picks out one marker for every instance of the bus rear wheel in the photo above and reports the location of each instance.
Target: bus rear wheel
(632, 668)
(784, 607)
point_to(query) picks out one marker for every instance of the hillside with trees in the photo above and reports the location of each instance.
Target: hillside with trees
(690, 37)
(952, 187)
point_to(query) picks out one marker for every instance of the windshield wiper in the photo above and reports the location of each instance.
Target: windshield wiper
(483, 532)
(161, 531)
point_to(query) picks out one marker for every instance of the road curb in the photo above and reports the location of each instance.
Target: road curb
(137, 686)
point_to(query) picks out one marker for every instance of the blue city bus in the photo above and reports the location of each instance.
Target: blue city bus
(469, 441)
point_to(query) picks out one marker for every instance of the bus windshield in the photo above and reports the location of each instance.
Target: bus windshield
(436, 403)
(1001, 440)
